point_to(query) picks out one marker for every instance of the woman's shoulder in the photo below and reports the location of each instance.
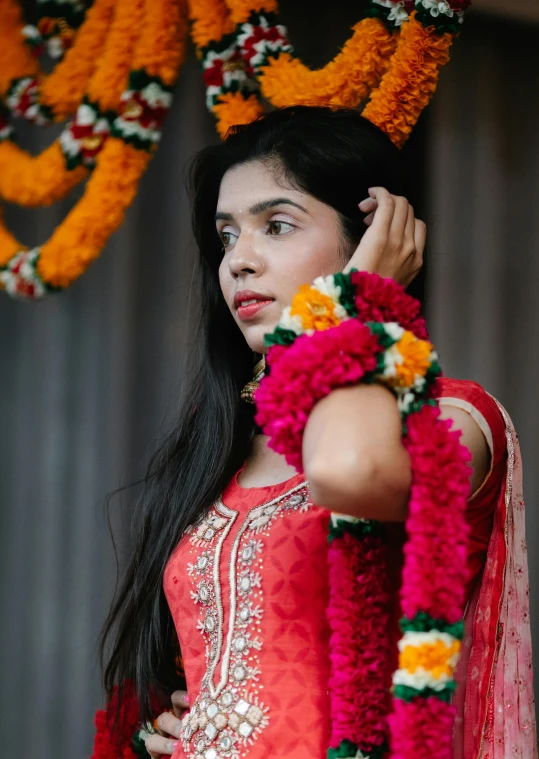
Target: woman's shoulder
(472, 397)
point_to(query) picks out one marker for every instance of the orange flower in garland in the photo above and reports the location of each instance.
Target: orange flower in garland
(345, 81)
(36, 180)
(411, 358)
(210, 20)
(233, 109)
(61, 91)
(410, 81)
(79, 239)
(315, 309)
(240, 10)
(16, 59)
(256, 60)
(43, 179)
(85, 230)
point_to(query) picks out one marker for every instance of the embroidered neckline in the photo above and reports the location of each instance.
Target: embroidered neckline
(227, 717)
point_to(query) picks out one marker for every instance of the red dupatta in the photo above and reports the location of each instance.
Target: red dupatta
(495, 703)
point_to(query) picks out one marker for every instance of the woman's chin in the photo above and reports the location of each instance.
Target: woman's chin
(254, 336)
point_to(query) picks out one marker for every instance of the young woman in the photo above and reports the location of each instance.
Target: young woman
(300, 193)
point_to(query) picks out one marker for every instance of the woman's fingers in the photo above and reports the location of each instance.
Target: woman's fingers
(157, 745)
(383, 217)
(397, 230)
(170, 724)
(409, 233)
(368, 205)
(180, 702)
(420, 236)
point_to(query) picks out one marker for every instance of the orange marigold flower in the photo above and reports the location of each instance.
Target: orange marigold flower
(233, 108)
(435, 657)
(416, 354)
(410, 81)
(344, 81)
(315, 309)
(240, 10)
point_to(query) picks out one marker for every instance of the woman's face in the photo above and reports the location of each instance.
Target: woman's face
(275, 239)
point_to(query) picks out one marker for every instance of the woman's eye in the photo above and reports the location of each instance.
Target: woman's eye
(276, 227)
(227, 238)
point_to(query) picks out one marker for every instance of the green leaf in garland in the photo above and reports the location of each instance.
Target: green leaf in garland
(423, 622)
(433, 372)
(280, 336)
(139, 747)
(359, 529)
(406, 693)
(348, 292)
(374, 10)
(442, 23)
(384, 338)
(347, 749)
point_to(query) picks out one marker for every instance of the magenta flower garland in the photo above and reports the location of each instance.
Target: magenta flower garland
(345, 329)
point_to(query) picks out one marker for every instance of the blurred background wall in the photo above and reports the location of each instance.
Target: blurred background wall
(89, 377)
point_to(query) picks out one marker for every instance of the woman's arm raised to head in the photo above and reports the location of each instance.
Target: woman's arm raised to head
(354, 458)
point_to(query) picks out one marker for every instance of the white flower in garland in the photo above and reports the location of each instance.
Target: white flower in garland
(263, 39)
(327, 286)
(144, 107)
(405, 401)
(394, 330)
(20, 278)
(224, 72)
(397, 14)
(55, 47)
(83, 138)
(292, 323)
(440, 8)
(155, 96)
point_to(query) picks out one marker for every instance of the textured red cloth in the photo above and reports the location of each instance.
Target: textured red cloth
(291, 593)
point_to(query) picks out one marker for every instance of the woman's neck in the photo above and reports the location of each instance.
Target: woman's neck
(264, 466)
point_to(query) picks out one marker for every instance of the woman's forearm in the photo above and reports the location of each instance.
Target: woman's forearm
(353, 455)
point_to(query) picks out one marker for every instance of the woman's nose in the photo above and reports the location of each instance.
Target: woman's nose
(245, 256)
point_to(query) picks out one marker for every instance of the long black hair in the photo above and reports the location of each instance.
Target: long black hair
(335, 156)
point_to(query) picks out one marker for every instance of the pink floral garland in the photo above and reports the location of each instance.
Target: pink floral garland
(304, 366)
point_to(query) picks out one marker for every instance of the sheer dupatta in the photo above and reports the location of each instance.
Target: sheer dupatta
(495, 704)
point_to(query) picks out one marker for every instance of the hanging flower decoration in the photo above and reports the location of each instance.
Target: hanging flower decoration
(59, 167)
(247, 57)
(115, 131)
(56, 26)
(342, 330)
(26, 90)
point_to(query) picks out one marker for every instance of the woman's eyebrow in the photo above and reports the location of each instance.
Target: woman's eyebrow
(260, 208)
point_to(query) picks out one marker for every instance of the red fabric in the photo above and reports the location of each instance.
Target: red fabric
(294, 659)
(481, 508)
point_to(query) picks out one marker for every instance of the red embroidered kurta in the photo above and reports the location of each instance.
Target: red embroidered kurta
(248, 591)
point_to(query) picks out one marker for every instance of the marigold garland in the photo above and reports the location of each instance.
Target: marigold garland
(55, 96)
(55, 27)
(135, 132)
(410, 81)
(327, 339)
(57, 168)
(345, 81)
(255, 59)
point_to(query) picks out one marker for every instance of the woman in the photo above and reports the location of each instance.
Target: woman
(300, 193)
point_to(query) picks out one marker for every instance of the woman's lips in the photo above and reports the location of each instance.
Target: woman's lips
(249, 312)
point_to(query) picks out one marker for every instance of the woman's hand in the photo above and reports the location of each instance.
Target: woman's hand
(393, 244)
(169, 724)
